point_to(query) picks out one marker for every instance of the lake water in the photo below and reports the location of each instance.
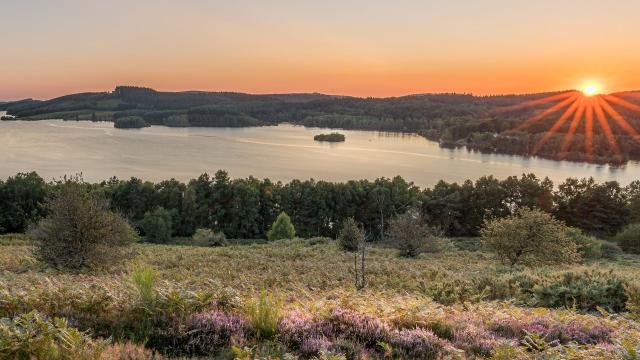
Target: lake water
(54, 148)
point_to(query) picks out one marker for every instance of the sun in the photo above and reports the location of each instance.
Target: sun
(591, 90)
(590, 107)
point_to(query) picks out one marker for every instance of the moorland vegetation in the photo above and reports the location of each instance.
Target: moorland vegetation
(136, 270)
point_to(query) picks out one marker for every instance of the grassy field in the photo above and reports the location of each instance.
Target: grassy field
(465, 303)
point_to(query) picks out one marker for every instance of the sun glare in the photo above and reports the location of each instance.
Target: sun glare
(590, 90)
(590, 107)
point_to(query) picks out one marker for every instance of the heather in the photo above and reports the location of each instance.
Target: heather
(296, 298)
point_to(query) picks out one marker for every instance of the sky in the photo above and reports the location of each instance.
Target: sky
(351, 47)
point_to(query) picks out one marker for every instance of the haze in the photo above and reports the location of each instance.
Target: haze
(355, 47)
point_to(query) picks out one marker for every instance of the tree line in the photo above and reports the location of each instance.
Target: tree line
(246, 207)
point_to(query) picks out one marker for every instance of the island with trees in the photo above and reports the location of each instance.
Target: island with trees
(333, 137)
(130, 122)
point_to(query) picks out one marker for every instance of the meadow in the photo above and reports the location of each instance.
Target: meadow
(296, 298)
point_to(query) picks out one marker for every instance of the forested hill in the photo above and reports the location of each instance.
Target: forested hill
(451, 119)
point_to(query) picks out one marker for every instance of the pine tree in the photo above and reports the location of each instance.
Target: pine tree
(282, 228)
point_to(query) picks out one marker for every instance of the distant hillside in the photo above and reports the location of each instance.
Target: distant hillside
(451, 119)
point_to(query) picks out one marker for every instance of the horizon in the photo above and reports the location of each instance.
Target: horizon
(357, 48)
(308, 93)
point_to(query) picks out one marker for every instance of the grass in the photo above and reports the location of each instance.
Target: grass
(456, 297)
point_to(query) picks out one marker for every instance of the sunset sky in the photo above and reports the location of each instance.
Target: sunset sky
(352, 47)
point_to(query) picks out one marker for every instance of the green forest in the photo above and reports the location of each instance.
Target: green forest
(246, 208)
(451, 119)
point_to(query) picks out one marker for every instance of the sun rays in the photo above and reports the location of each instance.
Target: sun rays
(583, 111)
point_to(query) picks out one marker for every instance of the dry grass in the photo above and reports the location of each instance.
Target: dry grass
(313, 277)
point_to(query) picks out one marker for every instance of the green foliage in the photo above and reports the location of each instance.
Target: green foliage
(210, 238)
(245, 208)
(598, 209)
(632, 290)
(333, 137)
(176, 121)
(530, 237)
(264, 314)
(350, 236)
(589, 247)
(609, 250)
(33, 336)
(130, 122)
(282, 228)
(157, 226)
(629, 238)
(144, 279)
(22, 200)
(412, 237)
(585, 291)
(80, 231)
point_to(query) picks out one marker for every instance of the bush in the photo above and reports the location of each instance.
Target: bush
(629, 239)
(585, 291)
(350, 236)
(21, 202)
(210, 238)
(411, 236)
(633, 297)
(530, 237)
(416, 344)
(34, 336)
(80, 230)
(282, 228)
(609, 250)
(211, 331)
(588, 246)
(157, 226)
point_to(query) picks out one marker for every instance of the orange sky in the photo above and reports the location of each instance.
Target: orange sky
(352, 47)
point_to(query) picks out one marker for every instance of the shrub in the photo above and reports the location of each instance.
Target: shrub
(585, 291)
(264, 314)
(363, 329)
(157, 225)
(34, 336)
(80, 231)
(296, 326)
(350, 236)
(475, 340)
(588, 246)
(22, 199)
(609, 250)
(529, 237)
(282, 228)
(211, 331)
(129, 351)
(210, 238)
(416, 344)
(411, 236)
(629, 239)
(633, 297)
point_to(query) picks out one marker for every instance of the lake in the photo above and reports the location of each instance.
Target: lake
(54, 148)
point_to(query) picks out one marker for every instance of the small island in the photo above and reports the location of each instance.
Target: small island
(7, 117)
(130, 122)
(333, 137)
